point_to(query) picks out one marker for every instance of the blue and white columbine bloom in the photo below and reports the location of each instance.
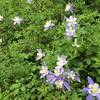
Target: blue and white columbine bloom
(71, 75)
(58, 81)
(58, 70)
(93, 89)
(44, 71)
(71, 27)
(70, 32)
(71, 21)
(40, 54)
(61, 61)
(1, 18)
(17, 20)
(69, 8)
(48, 25)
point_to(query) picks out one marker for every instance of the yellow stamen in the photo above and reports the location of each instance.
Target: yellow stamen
(59, 84)
(94, 88)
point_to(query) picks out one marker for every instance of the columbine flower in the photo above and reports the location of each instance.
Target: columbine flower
(17, 20)
(44, 71)
(61, 61)
(70, 32)
(48, 25)
(93, 89)
(70, 27)
(69, 8)
(29, 1)
(58, 70)
(61, 84)
(75, 44)
(71, 21)
(71, 75)
(58, 81)
(40, 54)
(1, 18)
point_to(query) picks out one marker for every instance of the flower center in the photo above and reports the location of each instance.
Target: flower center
(59, 84)
(57, 72)
(94, 89)
(71, 20)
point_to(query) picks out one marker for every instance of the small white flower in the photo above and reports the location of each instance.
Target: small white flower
(29, 1)
(48, 25)
(69, 7)
(71, 21)
(0, 40)
(40, 54)
(75, 44)
(71, 74)
(58, 70)
(1, 18)
(44, 71)
(17, 20)
(61, 60)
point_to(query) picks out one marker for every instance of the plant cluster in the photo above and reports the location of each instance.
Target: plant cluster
(49, 50)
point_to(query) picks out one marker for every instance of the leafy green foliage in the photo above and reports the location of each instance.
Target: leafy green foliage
(19, 72)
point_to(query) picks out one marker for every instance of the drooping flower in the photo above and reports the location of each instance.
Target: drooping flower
(17, 20)
(58, 70)
(29, 1)
(93, 89)
(61, 60)
(44, 71)
(48, 25)
(69, 7)
(71, 75)
(75, 44)
(40, 54)
(1, 18)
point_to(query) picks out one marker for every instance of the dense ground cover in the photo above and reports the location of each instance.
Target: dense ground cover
(19, 70)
